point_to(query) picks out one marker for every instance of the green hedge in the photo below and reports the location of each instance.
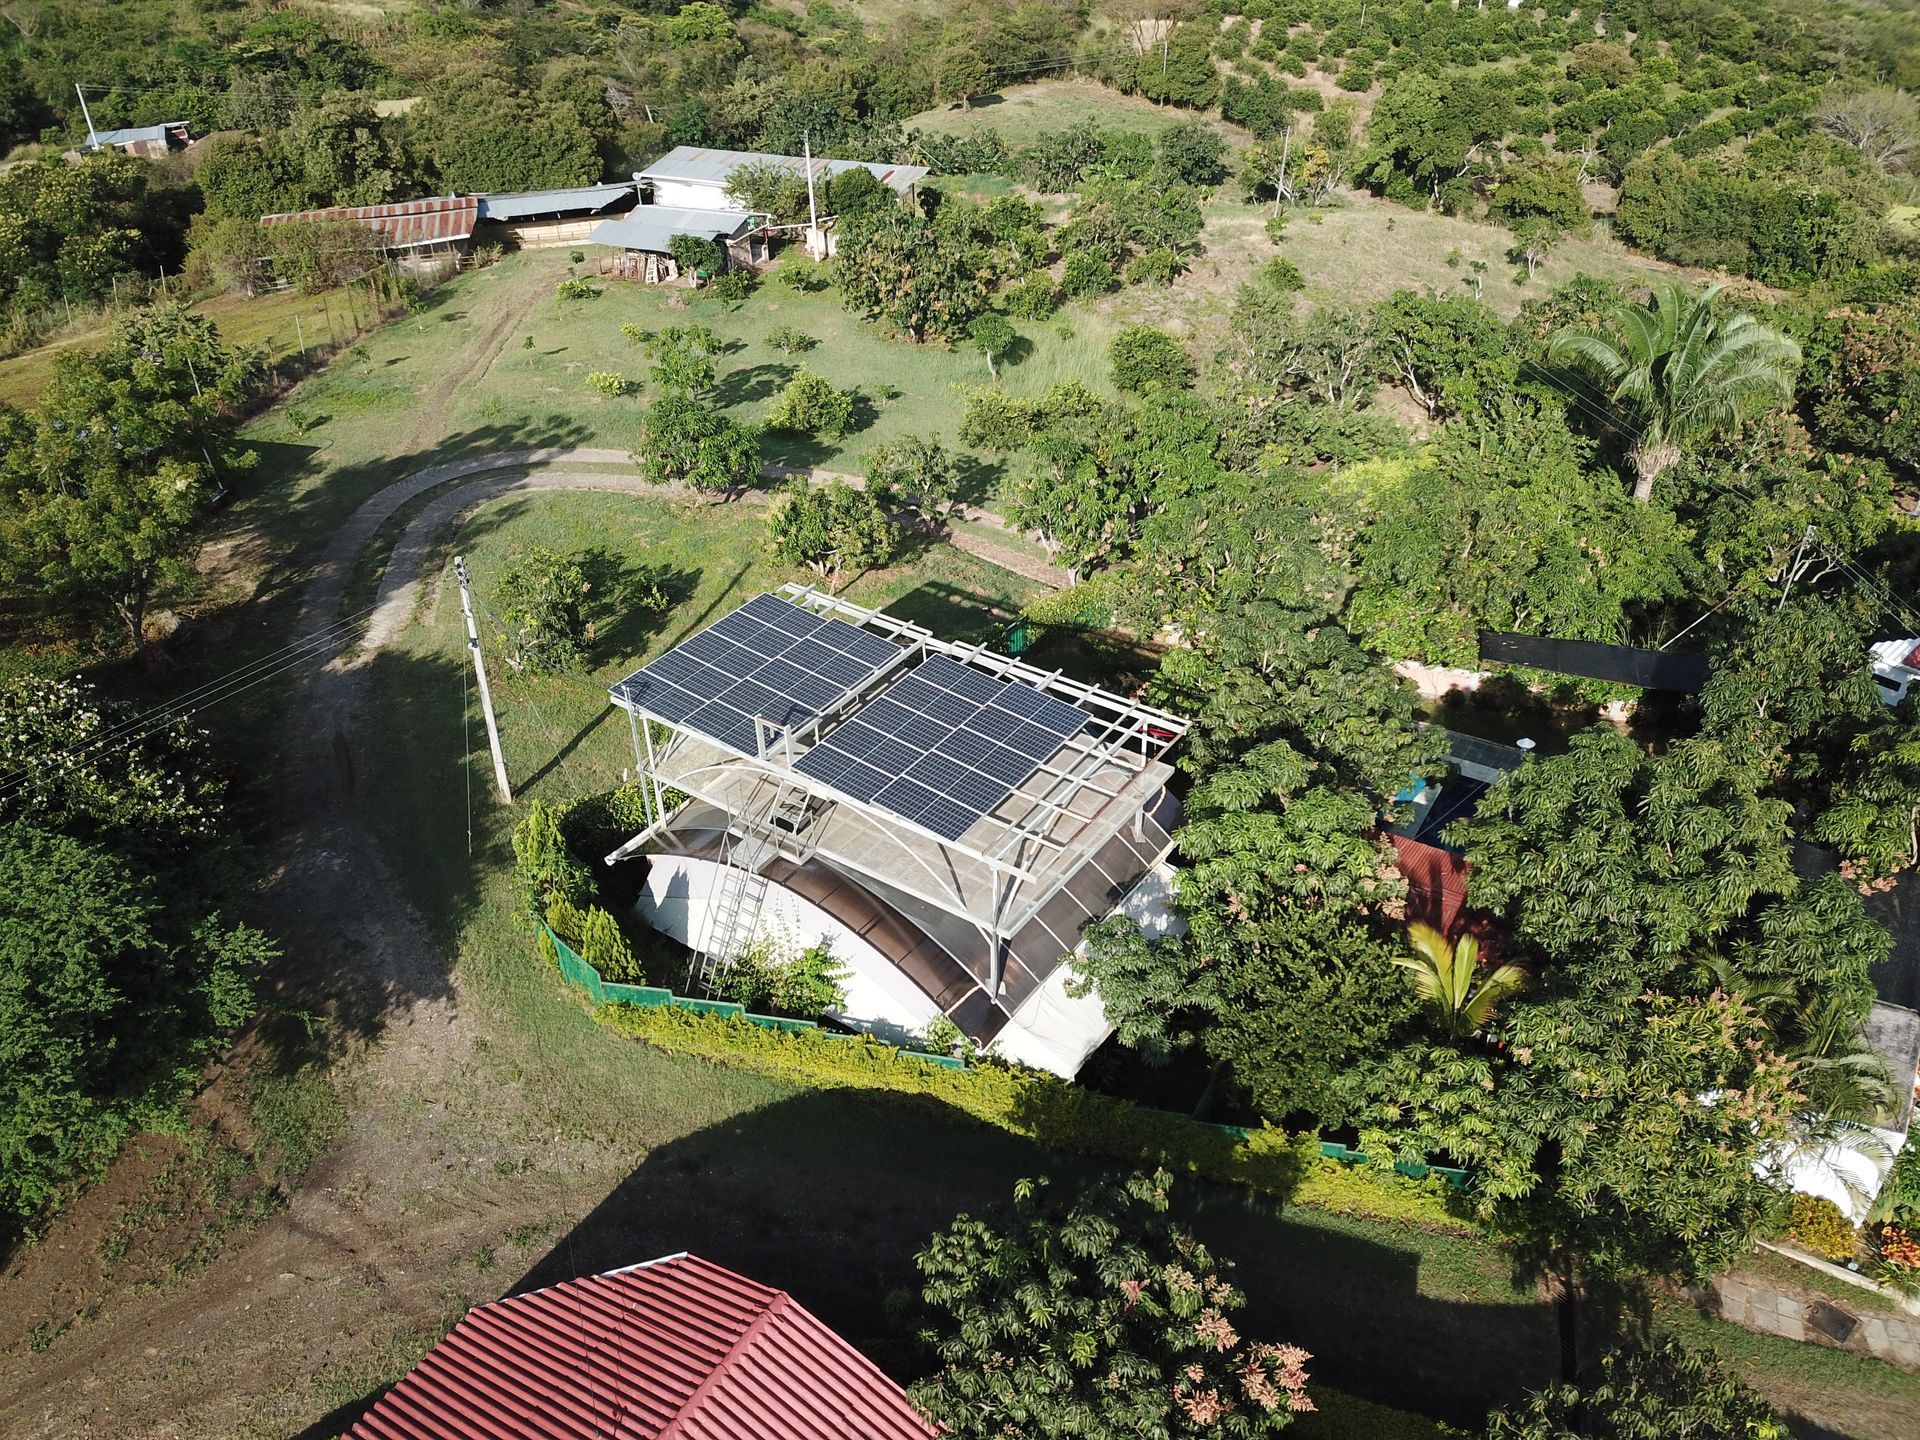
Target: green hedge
(1059, 1115)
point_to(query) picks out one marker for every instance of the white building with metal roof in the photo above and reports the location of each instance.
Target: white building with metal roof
(947, 819)
(694, 177)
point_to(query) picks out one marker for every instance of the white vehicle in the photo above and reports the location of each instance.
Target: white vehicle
(1896, 665)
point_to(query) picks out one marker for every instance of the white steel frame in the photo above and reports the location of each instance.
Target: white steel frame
(1014, 848)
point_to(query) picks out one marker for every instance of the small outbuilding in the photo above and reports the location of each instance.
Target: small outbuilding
(146, 141)
(645, 236)
(675, 1347)
(694, 177)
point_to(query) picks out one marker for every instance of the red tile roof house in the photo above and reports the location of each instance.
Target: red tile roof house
(673, 1349)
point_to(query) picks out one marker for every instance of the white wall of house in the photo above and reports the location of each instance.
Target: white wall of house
(879, 998)
(1050, 1031)
(693, 194)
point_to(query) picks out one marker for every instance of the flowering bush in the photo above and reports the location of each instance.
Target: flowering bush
(1896, 1257)
(1820, 1228)
(1093, 1314)
(612, 382)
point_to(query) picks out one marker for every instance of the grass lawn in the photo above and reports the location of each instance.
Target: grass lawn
(274, 323)
(1022, 114)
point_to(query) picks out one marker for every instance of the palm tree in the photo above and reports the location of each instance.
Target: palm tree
(1447, 979)
(1677, 373)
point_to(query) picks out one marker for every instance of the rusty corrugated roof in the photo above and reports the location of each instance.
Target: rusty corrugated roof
(403, 224)
(677, 1346)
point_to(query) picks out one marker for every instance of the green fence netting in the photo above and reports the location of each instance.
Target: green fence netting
(578, 972)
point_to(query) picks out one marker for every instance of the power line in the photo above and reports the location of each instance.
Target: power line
(148, 723)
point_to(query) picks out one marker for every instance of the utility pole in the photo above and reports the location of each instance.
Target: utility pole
(816, 245)
(93, 137)
(480, 677)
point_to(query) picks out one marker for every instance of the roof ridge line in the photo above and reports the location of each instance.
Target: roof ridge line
(776, 1307)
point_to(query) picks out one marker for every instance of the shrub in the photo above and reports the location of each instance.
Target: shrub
(575, 290)
(545, 865)
(604, 947)
(790, 341)
(612, 383)
(797, 272)
(542, 598)
(1052, 1111)
(1086, 274)
(768, 981)
(733, 285)
(1896, 1257)
(1153, 267)
(1144, 359)
(1821, 1228)
(1281, 274)
(564, 919)
(697, 254)
(913, 471)
(811, 406)
(1034, 298)
(1277, 226)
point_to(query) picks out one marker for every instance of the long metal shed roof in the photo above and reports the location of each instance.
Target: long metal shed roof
(404, 224)
(579, 200)
(652, 227)
(697, 165)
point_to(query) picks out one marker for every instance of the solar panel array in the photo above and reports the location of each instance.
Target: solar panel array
(943, 745)
(768, 658)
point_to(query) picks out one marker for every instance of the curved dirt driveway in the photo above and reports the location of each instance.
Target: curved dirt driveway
(256, 1341)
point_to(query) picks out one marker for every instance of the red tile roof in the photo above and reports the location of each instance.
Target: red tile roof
(678, 1349)
(405, 223)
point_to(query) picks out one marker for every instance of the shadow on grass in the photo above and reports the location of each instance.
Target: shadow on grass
(950, 612)
(828, 1195)
(753, 384)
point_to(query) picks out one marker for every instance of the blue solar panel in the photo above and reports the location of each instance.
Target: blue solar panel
(769, 659)
(950, 674)
(863, 782)
(954, 742)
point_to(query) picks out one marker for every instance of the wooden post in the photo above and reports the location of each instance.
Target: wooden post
(301, 336)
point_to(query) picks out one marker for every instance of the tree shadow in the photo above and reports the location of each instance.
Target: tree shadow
(828, 1195)
(955, 614)
(752, 384)
(979, 480)
(624, 624)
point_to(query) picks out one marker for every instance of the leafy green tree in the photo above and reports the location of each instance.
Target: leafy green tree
(770, 188)
(1430, 135)
(1664, 1391)
(116, 972)
(482, 132)
(107, 481)
(1091, 1316)
(1539, 199)
(338, 152)
(1156, 990)
(1193, 153)
(1446, 976)
(959, 73)
(1505, 525)
(830, 528)
(685, 442)
(74, 230)
(993, 336)
(542, 598)
(894, 266)
(1862, 381)
(1144, 358)
(915, 471)
(1449, 351)
(811, 406)
(1181, 70)
(697, 254)
(1677, 373)
(683, 357)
